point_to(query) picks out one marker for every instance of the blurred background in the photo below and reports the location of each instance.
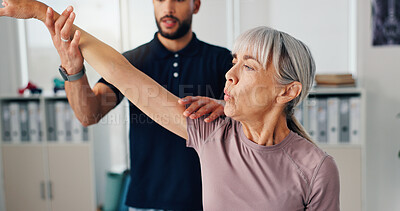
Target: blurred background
(355, 44)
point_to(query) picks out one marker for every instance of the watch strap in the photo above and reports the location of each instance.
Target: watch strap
(73, 77)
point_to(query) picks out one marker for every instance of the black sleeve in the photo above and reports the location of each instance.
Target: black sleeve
(118, 94)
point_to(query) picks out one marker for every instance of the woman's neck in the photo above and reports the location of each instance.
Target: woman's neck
(267, 130)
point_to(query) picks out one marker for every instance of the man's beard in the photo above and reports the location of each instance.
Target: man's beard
(183, 28)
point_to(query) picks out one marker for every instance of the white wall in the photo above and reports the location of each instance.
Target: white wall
(324, 25)
(9, 72)
(9, 57)
(379, 68)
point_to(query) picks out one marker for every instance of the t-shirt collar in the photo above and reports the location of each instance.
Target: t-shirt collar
(262, 148)
(161, 52)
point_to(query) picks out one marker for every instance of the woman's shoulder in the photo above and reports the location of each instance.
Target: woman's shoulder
(308, 157)
(199, 129)
(304, 148)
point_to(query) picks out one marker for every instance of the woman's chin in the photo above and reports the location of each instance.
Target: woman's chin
(229, 111)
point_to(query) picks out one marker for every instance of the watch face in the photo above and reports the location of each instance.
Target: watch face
(63, 73)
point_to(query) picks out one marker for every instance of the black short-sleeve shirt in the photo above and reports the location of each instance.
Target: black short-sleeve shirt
(165, 174)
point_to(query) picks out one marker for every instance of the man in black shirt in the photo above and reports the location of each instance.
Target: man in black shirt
(165, 175)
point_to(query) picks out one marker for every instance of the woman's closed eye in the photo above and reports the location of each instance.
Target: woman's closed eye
(248, 68)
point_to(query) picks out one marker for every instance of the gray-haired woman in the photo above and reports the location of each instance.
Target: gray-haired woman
(256, 158)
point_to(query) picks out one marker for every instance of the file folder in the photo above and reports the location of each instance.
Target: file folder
(6, 122)
(15, 124)
(60, 120)
(322, 127)
(69, 115)
(344, 117)
(333, 120)
(312, 118)
(355, 119)
(24, 121)
(51, 122)
(34, 121)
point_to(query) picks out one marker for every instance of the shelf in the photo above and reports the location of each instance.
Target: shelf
(20, 98)
(31, 97)
(335, 90)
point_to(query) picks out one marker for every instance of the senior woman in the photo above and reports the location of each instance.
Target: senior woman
(258, 157)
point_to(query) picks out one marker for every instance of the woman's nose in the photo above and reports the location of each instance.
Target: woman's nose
(231, 77)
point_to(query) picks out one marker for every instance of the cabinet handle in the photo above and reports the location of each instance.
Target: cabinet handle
(42, 190)
(50, 190)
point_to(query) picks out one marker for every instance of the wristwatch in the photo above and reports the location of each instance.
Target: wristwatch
(73, 77)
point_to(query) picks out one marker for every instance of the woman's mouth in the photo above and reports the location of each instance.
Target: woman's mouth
(227, 97)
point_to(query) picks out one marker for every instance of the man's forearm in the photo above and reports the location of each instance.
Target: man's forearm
(83, 100)
(80, 96)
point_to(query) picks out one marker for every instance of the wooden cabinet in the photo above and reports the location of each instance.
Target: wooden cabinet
(47, 174)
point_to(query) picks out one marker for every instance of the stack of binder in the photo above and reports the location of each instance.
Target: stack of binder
(62, 125)
(21, 121)
(334, 119)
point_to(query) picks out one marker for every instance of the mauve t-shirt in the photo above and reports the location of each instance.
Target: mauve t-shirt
(238, 174)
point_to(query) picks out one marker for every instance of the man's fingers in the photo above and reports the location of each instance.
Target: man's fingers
(215, 114)
(202, 111)
(75, 40)
(66, 29)
(193, 108)
(49, 22)
(187, 100)
(61, 21)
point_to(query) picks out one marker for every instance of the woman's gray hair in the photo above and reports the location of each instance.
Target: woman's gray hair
(291, 58)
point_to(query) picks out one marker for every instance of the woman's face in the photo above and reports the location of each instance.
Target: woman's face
(250, 89)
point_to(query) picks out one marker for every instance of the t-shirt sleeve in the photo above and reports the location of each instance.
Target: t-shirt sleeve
(325, 187)
(118, 94)
(199, 131)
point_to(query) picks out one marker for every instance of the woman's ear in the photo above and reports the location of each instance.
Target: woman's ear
(290, 92)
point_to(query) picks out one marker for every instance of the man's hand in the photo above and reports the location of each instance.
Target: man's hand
(200, 106)
(60, 30)
(21, 9)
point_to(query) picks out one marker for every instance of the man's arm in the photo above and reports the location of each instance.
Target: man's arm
(89, 105)
(150, 97)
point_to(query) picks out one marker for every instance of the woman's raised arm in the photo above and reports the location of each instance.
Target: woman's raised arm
(150, 97)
